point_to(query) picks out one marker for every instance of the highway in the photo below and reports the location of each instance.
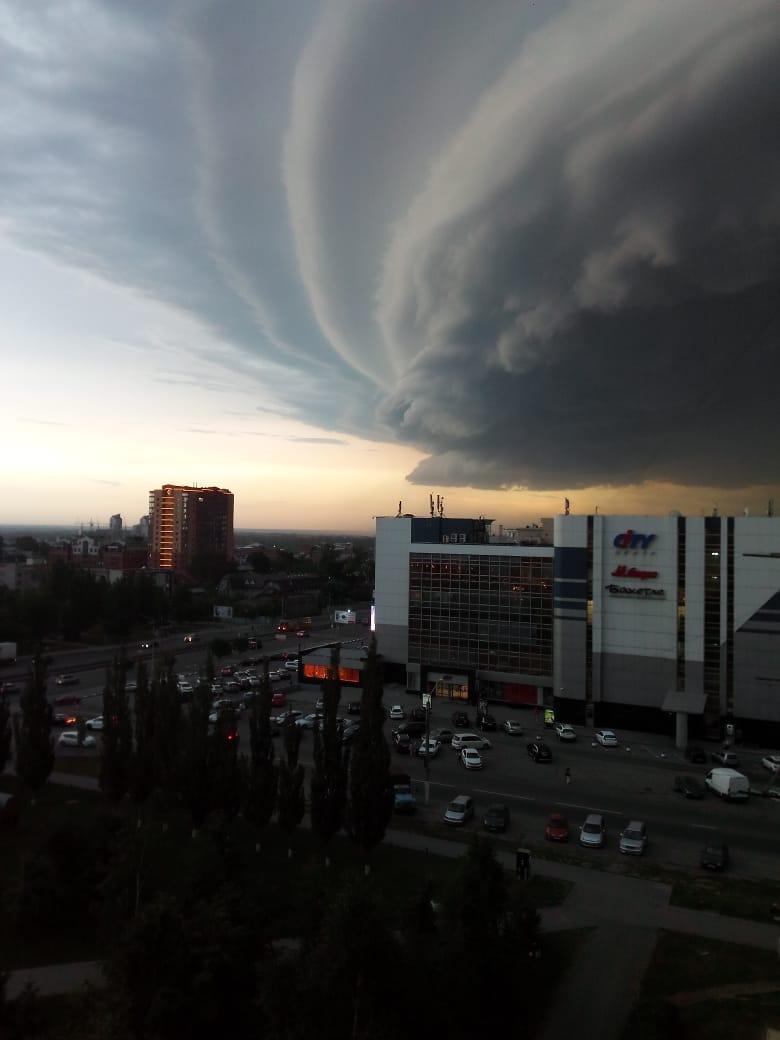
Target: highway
(631, 781)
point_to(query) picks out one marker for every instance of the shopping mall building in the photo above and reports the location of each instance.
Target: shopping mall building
(656, 623)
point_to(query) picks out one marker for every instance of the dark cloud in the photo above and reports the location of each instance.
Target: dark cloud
(538, 242)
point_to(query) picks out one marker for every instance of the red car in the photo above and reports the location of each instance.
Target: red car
(67, 698)
(278, 700)
(557, 828)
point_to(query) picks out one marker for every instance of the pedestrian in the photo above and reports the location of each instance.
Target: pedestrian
(567, 775)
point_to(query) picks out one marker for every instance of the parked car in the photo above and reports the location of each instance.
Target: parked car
(539, 751)
(308, 721)
(280, 675)
(9, 688)
(459, 811)
(354, 707)
(606, 738)
(428, 747)
(633, 839)
(397, 712)
(402, 743)
(696, 755)
(460, 719)
(67, 698)
(496, 818)
(444, 736)
(725, 757)
(412, 729)
(593, 831)
(66, 680)
(714, 855)
(771, 762)
(227, 670)
(462, 740)
(512, 727)
(96, 723)
(418, 715)
(486, 722)
(471, 758)
(70, 738)
(557, 828)
(280, 720)
(688, 786)
(564, 731)
(278, 699)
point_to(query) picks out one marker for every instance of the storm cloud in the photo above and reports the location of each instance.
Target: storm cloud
(538, 242)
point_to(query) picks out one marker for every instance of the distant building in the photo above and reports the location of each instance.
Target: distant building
(115, 526)
(189, 522)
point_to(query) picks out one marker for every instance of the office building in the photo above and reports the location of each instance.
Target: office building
(666, 624)
(186, 523)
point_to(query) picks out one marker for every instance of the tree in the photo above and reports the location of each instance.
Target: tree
(328, 786)
(32, 730)
(142, 775)
(370, 803)
(292, 801)
(225, 772)
(5, 733)
(259, 562)
(117, 748)
(262, 779)
(195, 780)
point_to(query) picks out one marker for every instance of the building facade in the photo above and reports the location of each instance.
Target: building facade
(669, 622)
(189, 522)
(656, 623)
(460, 616)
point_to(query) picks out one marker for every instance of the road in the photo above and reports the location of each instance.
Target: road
(632, 781)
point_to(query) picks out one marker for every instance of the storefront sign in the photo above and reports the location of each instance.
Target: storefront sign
(635, 590)
(633, 572)
(632, 540)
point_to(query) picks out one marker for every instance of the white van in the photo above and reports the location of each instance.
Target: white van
(728, 783)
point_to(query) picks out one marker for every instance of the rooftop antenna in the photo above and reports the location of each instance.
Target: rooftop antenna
(565, 507)
(400, 503)
(431, 498)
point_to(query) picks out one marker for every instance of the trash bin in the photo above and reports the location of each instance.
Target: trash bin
(523, 864)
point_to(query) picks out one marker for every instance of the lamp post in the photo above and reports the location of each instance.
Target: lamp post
(427, 755)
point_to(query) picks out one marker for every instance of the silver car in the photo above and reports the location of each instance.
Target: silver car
(593, 831)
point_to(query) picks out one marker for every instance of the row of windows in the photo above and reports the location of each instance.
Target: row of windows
(491, 613)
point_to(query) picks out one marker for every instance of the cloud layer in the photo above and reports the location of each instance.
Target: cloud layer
(537, 242)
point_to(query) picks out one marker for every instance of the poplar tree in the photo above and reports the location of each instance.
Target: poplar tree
(262, 772)
(292, 800)
(117, 748)
(5, 733)
(328, 786)
(195, 782)
(370, 801)
(142, 770)
(32, 730)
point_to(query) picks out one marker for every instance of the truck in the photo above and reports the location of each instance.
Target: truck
(403, 796)
(728, 783)
(344, 617)
(7, 653)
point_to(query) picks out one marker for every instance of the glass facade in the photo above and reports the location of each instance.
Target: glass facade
(493, 613)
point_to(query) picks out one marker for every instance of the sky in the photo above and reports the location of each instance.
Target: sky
(340, 255)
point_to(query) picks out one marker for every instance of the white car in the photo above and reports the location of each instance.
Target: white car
(291, 664)
(606, 738)
(308, 721)
(565, 732)
(397, 712)
(771, 762)
(70, 738)
(472, 740)
(281, 719)
(512, 727)
(429, 748)
(96, 723)
(471, 758)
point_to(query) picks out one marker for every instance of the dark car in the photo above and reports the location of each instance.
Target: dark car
(353, 708)
(486, 722)
(496, 818)
(715, 855)
(402, 743)
(412, 729)
(460, 720)
(418, 715)
(696, 755)
(10, 687)
(688, 786)
(539, 751)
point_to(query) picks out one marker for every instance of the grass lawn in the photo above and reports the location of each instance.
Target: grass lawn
(685, 992)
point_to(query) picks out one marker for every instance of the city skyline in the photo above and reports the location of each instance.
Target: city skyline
(335, 256)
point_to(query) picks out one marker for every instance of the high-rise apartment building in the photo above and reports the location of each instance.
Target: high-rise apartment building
(189, 522)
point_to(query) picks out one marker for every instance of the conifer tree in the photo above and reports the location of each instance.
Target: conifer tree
(328, 786)
(33, 741)
(117, 747)
(262, 771)
(292, 800)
